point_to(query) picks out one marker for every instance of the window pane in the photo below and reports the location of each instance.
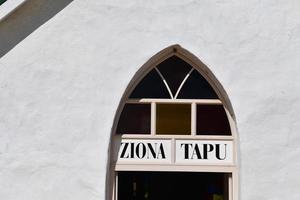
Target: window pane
(196, 87)
(173, 119)
(212, 120)
(135, 119)
(172, 185)
(151, 86)
(174, 70)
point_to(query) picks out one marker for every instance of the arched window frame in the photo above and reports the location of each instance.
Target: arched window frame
(185, 55)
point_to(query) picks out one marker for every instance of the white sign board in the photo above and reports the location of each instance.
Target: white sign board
(184, 151)
(204, 152)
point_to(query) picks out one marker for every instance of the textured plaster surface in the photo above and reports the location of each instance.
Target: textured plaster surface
(60, 88)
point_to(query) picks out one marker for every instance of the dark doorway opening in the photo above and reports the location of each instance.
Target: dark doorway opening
(172, 186)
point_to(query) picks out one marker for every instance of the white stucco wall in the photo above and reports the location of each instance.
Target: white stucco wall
(60, 87)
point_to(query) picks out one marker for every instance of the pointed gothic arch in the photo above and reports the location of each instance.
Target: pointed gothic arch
(152, 93)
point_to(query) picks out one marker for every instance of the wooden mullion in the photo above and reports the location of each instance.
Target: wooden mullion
(153, 118)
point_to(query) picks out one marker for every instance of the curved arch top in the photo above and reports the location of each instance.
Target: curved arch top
(174, 101)
(176, 51)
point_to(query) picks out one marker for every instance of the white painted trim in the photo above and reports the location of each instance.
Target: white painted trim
(116, 186)
(153, 118)
(8, 7)
(182, 137)
(145, 69)
(173, 153)
(176, 101)
(111, 185)
(206, 73)
(165, 82)
(193, 119)
(235, 185)
(230, 187)
(182, 83)
(176, 168)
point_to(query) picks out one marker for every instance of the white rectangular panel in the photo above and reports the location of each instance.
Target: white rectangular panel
(137, 151)
(204, 152)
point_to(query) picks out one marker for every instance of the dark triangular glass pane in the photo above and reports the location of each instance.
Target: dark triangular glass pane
(196, 87)
(151, 86)
(174, 70)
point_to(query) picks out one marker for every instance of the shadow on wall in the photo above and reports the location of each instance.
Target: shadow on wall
(26, 19)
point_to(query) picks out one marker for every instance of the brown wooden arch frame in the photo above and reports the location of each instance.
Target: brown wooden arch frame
(176, 50)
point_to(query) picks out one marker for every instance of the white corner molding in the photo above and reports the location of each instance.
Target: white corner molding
(8, 7)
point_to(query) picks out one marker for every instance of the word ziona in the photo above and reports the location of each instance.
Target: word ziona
(142, 150)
